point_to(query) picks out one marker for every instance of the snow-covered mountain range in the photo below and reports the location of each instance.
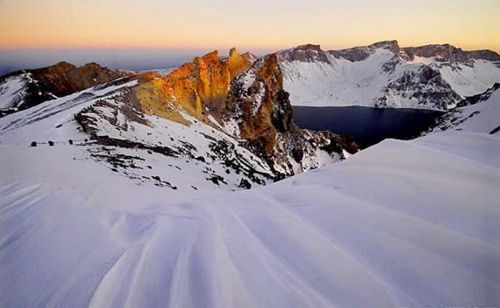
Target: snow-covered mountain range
(386, 75)
(133, 192)
(216, 123)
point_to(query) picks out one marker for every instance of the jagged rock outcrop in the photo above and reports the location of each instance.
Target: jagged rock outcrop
(198, 87)
(264, 112)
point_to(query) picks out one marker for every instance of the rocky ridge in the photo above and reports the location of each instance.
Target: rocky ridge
(387, 75)
(27, 88)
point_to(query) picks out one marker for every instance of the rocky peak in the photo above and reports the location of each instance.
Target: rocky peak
(199, 87)
(65, 78)
(233, 90)
(238, 63)
(485, 54)
(389, 45)
(303, 53)
(362, 52)
(311, 47)
(442, 52)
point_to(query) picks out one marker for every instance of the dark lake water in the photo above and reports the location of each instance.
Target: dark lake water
(366, 124)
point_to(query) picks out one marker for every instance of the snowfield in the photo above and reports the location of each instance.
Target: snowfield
(412, 224)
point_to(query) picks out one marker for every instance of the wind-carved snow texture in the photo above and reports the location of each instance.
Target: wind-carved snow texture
(400, 224)
(403, 223)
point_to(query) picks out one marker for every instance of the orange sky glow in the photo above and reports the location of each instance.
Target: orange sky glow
(266, 25)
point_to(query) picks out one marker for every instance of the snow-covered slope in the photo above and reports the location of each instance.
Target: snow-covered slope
(412, 224)
(147, 149)
(480, 113)
(385, 75)
(12, 91)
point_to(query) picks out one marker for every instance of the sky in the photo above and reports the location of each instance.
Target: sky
(151, 32)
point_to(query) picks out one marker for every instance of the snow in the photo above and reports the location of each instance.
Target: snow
(403, 223)
(471, 80)
(340, 82)
(12, 91)
(259, 97)
(336, 83)
(424, 60)
(482, 117)
(189, 173)
(49, 120)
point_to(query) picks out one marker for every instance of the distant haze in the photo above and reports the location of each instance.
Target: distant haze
(133, 59)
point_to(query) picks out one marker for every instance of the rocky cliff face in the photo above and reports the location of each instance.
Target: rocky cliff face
(448, 53)
(199, 87)
(261, 106)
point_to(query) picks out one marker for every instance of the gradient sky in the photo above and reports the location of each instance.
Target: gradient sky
(249, 25)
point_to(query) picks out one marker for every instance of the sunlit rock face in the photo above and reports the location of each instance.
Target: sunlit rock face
(197, 87)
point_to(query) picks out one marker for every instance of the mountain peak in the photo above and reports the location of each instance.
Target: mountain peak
(238, 63)
(392, 45)
(308, 47)
(303, 53)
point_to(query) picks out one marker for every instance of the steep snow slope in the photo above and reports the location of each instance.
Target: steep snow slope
(412, 224)
(479, 113)
(337, 82)
(385, 75)
(12, 91)
(469, 79)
